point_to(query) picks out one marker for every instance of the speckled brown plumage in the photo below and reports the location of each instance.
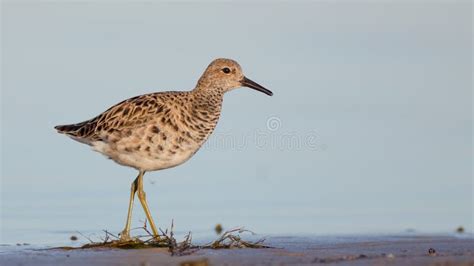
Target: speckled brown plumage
(164, 129)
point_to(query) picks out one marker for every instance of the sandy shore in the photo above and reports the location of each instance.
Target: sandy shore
(344, 250)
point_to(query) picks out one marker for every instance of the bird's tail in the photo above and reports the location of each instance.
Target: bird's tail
(71, 130)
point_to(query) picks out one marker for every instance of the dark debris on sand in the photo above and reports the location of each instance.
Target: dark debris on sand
(229, 239)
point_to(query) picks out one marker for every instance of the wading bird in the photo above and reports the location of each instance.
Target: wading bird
(160, 130)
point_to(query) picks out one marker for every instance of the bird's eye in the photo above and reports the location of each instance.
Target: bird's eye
(226, 70)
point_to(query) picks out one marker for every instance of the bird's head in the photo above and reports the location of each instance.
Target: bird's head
(226, 74)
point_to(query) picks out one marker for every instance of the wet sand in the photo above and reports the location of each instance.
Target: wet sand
(343, 250)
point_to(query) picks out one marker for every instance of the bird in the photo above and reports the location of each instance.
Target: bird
(160, 130)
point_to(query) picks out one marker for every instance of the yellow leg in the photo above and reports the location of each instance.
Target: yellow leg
(142, 198)
(125, 234)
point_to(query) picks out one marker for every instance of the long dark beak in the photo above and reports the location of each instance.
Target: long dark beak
(254, 85)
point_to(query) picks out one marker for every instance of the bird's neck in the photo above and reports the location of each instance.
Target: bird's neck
(206, 107)
(208, 99)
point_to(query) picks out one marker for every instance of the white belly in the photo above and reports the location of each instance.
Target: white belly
(143, 160)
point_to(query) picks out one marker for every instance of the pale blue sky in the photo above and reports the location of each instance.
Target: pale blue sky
(383, 90)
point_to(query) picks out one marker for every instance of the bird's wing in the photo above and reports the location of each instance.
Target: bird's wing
(128, 114)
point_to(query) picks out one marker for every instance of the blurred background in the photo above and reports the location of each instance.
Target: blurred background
(369, 130)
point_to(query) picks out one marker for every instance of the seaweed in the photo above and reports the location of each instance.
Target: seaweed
(232, 239)
(228, 240)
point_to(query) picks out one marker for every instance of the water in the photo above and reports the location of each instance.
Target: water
(45, 215)
(369, 129)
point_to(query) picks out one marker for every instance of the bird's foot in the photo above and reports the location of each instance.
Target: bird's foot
(125, 236)
(157, 238)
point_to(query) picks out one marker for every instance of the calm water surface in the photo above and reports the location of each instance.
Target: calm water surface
(369, 129)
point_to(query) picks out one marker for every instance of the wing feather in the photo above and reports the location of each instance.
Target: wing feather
(127, 114)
